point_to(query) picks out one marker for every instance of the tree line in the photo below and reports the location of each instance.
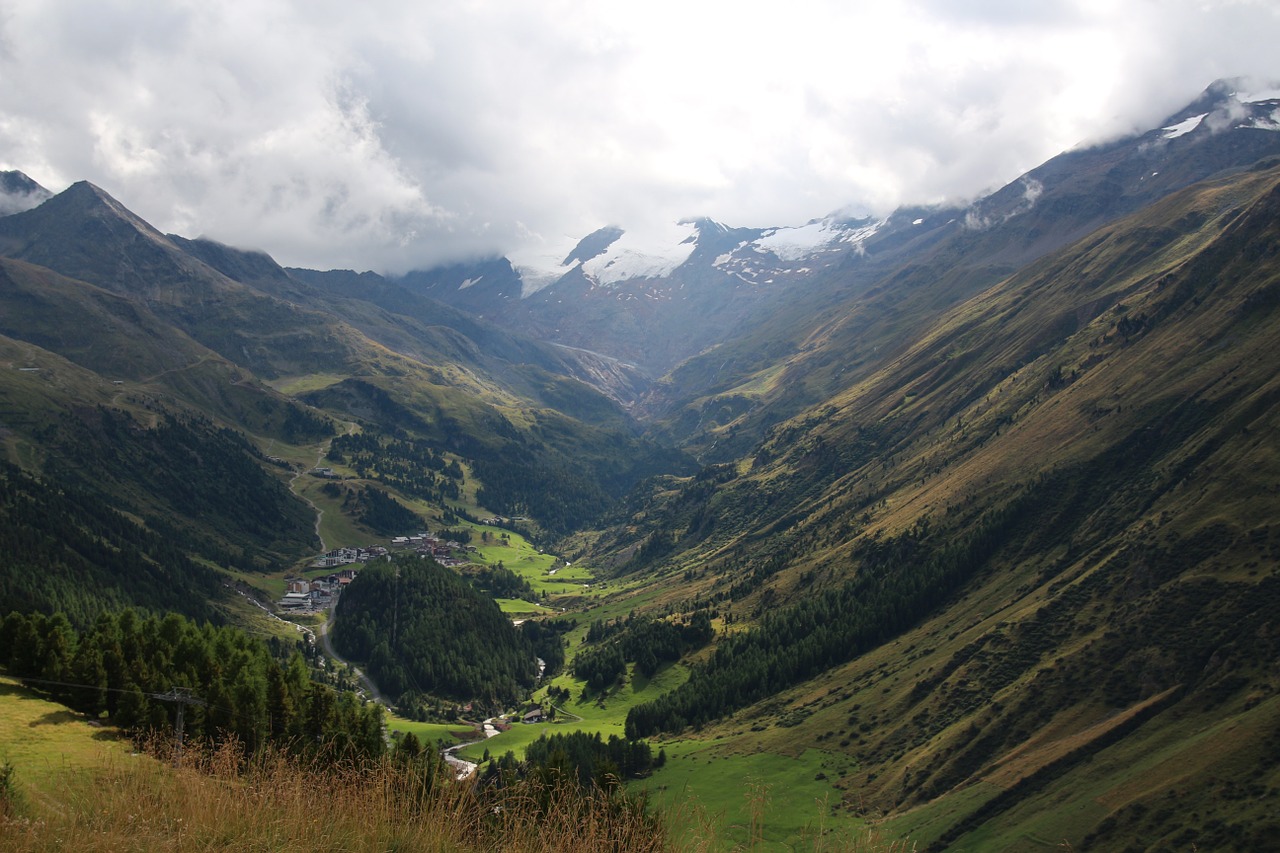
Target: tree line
(829, 628)
(124, 662)
(409, 465)
(574, 760)
(644, 641)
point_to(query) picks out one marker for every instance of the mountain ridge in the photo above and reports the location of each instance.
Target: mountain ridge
(734, 286)
(1067, 480)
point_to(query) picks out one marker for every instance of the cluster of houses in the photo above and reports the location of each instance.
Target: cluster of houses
(502, 520)
(348, 556)
(443, 551)
(317, 593)
(320, 593)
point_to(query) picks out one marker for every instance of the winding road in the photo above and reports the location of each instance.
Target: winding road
(365, 681)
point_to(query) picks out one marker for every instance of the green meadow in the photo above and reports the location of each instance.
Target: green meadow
(41, 740)
(758, 800)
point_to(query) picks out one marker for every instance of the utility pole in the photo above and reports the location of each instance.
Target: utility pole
(184, 697)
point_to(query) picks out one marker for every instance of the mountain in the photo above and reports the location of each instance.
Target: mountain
(18, 192)
(837, 327)
(1021, 567)
(985, 514)
(684, 291)
(155, 373)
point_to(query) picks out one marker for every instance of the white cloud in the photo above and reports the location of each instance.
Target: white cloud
(393, 134)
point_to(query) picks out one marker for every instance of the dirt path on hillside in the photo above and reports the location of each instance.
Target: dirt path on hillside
(293, 487)
(321, 452)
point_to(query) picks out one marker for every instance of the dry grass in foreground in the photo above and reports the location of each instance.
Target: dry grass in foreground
(217, 801)
(278, 803)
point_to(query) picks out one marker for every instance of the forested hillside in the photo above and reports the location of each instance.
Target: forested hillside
(393, 612)
(71, 552)
(242, 687)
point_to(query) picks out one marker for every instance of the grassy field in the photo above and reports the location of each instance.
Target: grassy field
(760, 800)
(429, 733)
(42, 740)
(587, 711)
(520, 607)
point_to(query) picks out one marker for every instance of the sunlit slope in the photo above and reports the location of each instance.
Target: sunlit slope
(1043, 532)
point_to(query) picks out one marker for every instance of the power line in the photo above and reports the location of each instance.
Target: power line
(161, 696)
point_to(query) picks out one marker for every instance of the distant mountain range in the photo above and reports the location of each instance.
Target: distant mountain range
(659, 300)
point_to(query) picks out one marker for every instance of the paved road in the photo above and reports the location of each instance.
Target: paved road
(369, 686)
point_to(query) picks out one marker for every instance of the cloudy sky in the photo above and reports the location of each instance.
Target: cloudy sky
(387, 134)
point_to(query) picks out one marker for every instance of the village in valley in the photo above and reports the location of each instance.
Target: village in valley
(318, 594)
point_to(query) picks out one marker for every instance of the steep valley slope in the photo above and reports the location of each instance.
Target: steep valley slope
(1025, 573)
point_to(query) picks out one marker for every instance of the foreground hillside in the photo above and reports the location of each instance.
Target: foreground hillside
(71, 783)
(1025, 573)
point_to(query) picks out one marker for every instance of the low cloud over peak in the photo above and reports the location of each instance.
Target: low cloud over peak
(391, 135)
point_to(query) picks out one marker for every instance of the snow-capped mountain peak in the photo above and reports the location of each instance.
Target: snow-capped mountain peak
(1227, 105)
(612, 255)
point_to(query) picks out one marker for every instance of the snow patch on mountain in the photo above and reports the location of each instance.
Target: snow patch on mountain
(1268, 122)
(1183, 127)
(794, 243)
(540, 266)
(652, 254)
(1258, 97)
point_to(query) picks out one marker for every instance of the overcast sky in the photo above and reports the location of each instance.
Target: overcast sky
(388, 135)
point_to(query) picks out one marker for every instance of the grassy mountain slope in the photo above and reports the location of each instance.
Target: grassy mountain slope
(164, 477)
(1038, 536)
(136, 378)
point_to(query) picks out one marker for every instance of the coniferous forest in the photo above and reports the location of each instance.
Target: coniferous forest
(421, 627)
(125, 663)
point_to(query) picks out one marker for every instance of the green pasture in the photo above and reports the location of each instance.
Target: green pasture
(587, 711)
(755, 800)
(428, 733)
(41, 739)
(546, 573)
(520, 607)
